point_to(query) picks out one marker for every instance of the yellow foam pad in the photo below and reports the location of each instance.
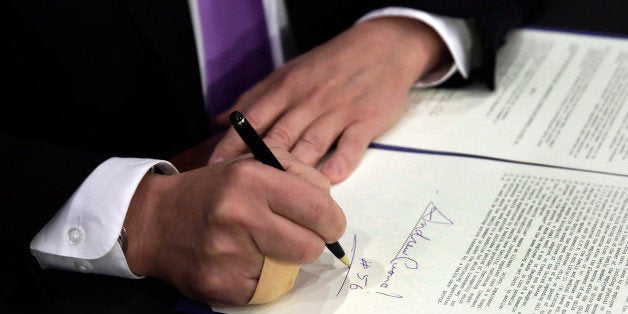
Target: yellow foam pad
(276, 279)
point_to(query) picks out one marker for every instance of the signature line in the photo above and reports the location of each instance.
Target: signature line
(350, 264)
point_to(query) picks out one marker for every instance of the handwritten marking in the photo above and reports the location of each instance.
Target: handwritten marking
(353, 249)
(365, 264)
(364, 278)
(394, 295)
(431, 215)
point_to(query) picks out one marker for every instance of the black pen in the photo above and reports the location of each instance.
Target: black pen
(262, 153)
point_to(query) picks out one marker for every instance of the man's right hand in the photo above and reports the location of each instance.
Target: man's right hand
(206, 231)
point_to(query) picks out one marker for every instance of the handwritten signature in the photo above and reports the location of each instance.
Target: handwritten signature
(431, 215)
(402, 260)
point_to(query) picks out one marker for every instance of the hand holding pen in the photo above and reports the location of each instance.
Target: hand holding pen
(211, 230)
(262, 153)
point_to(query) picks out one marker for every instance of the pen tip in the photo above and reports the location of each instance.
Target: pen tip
(345, 260)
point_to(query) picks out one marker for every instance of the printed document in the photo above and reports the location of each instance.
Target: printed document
(445, 234)
(560, 99)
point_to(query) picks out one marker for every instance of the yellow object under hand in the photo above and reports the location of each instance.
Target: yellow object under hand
(276, 279)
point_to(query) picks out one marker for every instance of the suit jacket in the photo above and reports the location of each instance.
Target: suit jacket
(88, 80)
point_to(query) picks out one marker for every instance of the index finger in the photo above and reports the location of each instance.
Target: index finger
(231, 144)
(308, 205)
(295, 166)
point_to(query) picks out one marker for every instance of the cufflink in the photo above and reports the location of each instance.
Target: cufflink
(155, 169)
(123, 241)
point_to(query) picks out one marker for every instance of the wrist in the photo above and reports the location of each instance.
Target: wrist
(419, 48)
(139, 226)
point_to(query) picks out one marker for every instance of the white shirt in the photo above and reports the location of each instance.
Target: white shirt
(83, 235)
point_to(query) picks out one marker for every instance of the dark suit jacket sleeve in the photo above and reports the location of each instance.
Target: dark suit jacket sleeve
(493, 17)
(84, 81)
(37, 179)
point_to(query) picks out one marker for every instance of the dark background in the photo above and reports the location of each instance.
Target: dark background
(607, 16)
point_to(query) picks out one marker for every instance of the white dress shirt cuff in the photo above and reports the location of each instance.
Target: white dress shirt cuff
(458, 34)
(83, 235)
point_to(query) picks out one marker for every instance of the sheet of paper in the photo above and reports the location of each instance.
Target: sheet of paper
(560, 99)
(438, 234)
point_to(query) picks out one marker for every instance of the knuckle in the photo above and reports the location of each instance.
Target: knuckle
(321, 180)
(293, 77)
(241, 172)
(215, 246)
(220, 215)
(314, 142)
(282, 154)
(227, 215)
(281, 136)
(352, 142)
